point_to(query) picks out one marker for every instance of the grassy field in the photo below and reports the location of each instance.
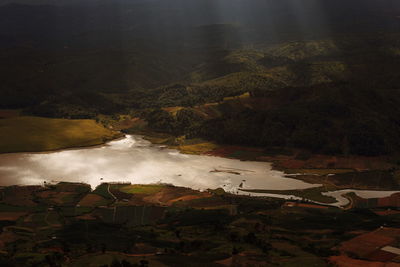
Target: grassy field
(197, 149)
(142, 189)
(34, 134)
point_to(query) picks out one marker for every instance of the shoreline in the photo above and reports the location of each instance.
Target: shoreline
(314, 194)
(293, 174)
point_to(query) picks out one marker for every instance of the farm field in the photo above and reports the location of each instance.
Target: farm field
(35, 134)
(68, 224)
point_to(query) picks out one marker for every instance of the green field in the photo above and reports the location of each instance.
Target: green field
(34, 134)
(142, 189)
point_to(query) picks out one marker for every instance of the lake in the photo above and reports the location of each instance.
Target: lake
(135, 160)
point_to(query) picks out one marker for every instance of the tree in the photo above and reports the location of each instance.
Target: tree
(161, 120)
(188, 121)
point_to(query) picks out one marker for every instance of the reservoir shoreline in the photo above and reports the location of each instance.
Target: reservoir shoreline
(136, 160)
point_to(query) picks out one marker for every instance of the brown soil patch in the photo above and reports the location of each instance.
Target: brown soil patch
(226, 262)
(359, 163)
(11, 216)
(170, 195)
(5, 238)
(212, 203)
(45, 194)
(190, 197)
(70, 187)
(59, 198)
(9, 113)
(344, 261)
(55, 197)
(382, 256)
(357, 232)
(244, 259)
(366, 244)
(315, 161)
(53, 249)
(139, 201)
(86, 217)
(91, 200)
(20, 195)
(386, 212)
(391, 201)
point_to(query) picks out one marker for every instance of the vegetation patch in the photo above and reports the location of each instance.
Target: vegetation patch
(20, 195)
(93, 200)
(28, 134)
(189, 226)
(197, 149)
(71, 187)
(58, 198)
(103, 191)
(142, 189)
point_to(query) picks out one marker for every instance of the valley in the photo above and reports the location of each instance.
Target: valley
(199, 133)
(163, 225)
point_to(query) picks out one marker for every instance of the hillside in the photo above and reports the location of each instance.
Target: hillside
(324, 81)
(33, 134)
(321, 95)
(282, 118)
(310, 95)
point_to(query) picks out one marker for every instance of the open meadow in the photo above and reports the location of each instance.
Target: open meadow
(35, 134)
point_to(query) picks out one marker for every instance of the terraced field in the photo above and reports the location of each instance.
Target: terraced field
(164, 225)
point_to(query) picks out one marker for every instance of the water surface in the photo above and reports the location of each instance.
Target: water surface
(343, 201)
(133, 159)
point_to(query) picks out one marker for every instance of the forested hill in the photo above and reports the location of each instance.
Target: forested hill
(320, 75)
